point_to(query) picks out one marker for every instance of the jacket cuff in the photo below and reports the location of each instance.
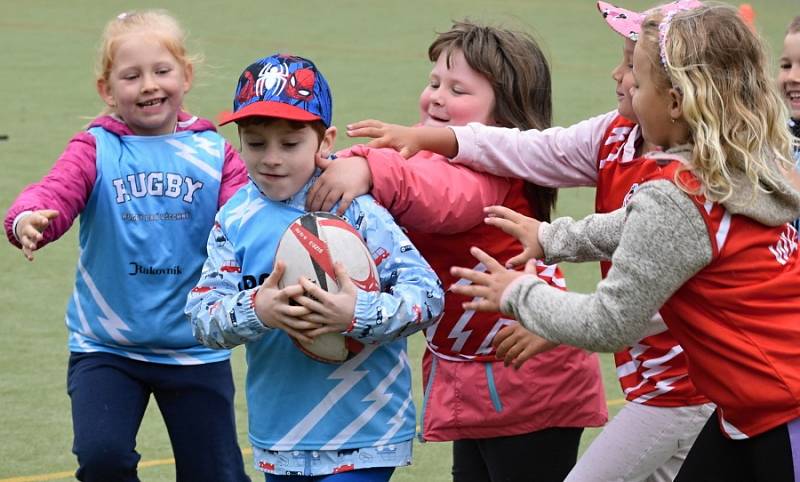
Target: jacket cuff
(245, 315)
(508, 298)
(368, 318)
(17, 220)
(467, 144)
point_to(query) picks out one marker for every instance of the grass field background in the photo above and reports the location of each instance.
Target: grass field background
(374, 56)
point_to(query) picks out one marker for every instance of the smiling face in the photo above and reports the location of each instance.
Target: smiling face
(456, 95)
(145, 85)
(651, 101)
(623, 76)
(281, 155)
(789, 73)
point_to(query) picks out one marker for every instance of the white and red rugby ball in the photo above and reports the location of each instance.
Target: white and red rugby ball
(309, 247)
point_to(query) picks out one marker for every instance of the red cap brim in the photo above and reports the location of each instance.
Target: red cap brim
(278, 110)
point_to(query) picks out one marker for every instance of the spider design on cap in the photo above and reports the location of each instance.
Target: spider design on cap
(272, 79)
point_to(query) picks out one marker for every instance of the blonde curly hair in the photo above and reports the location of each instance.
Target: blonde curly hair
(736, 117)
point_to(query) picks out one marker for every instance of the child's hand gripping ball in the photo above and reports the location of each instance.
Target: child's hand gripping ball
(309, 248)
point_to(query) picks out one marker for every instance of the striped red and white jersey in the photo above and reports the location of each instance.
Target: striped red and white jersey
(653, 371)
(737, 318)
(466, 335)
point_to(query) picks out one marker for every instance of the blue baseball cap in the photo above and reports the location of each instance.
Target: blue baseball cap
(281, 86)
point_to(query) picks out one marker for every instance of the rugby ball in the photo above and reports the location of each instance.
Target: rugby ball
(309, 247)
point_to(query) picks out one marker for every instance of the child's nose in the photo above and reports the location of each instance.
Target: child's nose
(149, 83)
(616, 74)
(437, 97)
(271, 159)
(794, 73)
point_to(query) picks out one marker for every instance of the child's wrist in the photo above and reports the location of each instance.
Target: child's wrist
(17, 219)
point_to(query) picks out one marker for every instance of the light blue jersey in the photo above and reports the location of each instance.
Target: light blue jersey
(142, 245)
(299, 408)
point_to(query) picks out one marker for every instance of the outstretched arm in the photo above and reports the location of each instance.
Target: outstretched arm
(65, 189)
(554, 157)
(664, 243)
(430, 195)
(29, 228)
(406, 140)
(424, 193)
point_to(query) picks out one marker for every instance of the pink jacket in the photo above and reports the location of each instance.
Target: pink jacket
(442, 206)
(68, 185)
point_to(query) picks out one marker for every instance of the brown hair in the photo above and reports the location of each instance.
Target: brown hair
(794, 26)
(519, 74)
(734, 112)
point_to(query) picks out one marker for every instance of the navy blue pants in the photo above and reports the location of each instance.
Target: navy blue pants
(109, 395)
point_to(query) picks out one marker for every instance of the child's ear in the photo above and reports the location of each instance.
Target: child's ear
(104, 91)
(675, 104)
(328, 141)
(188, 74)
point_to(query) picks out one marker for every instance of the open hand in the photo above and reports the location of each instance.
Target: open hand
(30, 229)
(487, 287)
(515, 345)
(400, 138)
(343, 180)
(274, 309)
(525, 229)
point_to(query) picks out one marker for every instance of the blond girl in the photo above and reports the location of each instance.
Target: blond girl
(706, 235)
(146, 179)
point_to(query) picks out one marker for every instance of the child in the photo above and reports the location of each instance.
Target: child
(308, 418)
(705, 236)
(507, 424)
(599, 151)
(147, 179)
(789, 84)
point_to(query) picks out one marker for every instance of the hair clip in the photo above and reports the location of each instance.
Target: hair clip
(122, 16)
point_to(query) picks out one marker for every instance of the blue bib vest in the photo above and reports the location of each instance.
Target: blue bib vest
(142, 244)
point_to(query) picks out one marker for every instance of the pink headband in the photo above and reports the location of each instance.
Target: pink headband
(669, 12)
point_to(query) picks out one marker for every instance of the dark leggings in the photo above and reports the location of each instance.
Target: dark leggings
(109, 396)
(543, 456)
(764, 458)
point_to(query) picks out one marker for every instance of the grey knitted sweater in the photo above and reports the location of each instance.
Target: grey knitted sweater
(656, 243)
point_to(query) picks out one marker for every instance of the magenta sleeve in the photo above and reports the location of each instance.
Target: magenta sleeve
(65, 188)
(234, 174)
